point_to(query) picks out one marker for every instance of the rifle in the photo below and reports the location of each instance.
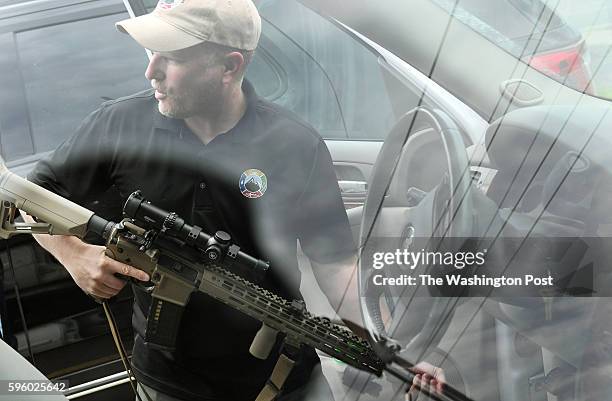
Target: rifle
(181, 259)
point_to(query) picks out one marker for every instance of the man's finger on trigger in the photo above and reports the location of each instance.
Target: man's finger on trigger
(130, 271)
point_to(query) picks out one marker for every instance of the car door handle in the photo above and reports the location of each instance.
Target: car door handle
(352, 187)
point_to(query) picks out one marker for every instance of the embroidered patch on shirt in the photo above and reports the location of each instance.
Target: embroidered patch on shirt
(253, 183)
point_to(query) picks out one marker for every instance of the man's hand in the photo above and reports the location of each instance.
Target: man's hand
(94, 272)
(427, 378)
(89, 267)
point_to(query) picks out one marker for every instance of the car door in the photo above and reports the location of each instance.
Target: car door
(547, 135)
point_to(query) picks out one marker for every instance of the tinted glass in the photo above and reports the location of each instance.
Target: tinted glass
(267, 76)
(567, 40)
(69, 69)
(593, 19)
(334, 81)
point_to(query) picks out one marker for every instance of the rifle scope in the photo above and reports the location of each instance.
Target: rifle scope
(170, 224)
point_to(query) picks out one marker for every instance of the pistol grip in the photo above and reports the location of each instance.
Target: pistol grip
(116, 256)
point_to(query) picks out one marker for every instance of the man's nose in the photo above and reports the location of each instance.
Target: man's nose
(155, 68)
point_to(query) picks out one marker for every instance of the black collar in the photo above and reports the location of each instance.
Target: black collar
(240, 133)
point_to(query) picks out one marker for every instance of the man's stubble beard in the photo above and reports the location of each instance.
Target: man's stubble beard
(203, 102)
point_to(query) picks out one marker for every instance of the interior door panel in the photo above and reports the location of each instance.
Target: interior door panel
(353, 163)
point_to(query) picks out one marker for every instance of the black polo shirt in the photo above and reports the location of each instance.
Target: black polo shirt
(268, 181)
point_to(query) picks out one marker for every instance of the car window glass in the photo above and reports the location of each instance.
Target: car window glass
(567, 40)
(69, 69)
(267, 76)
(337, 85)
(593, 19)
(300, 84)
(150, 4)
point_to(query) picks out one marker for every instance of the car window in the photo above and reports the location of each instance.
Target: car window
(301, 84)
(334, 81)
(593, 19)
(566, 40)
(66, 71)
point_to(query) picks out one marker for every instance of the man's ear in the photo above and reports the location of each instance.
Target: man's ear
(233, 64)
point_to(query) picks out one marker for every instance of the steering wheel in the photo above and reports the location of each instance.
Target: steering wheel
(399, 216)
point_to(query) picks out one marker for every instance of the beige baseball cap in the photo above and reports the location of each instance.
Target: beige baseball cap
(178, 24)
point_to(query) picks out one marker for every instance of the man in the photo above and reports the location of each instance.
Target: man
(202, 144)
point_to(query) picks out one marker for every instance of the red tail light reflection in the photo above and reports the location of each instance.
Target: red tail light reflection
(567, 66)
